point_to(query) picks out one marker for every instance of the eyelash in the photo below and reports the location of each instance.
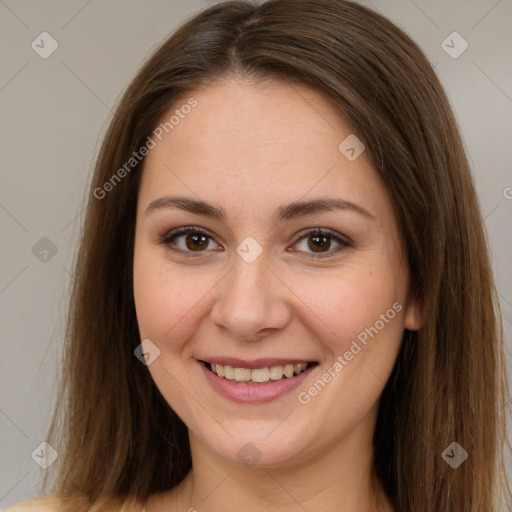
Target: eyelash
(172, 235)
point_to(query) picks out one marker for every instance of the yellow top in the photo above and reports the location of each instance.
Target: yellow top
(50, 503)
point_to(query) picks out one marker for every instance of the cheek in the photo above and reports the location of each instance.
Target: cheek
(363, 316)
(349, 303)
(167, 301)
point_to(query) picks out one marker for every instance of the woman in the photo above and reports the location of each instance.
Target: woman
(283, 295)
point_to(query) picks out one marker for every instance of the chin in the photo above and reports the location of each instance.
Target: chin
(257, 445)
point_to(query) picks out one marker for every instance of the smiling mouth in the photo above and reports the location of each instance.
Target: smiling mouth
(262, 375)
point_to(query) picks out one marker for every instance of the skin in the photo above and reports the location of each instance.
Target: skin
(250, 148)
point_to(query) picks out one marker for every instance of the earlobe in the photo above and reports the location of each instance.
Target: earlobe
(414, 315)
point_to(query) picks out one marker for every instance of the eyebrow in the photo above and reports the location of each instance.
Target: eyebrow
(283, 213)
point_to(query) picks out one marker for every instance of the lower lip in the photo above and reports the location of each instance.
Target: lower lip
(254, 393)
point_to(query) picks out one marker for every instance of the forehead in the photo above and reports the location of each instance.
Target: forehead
(274, 140)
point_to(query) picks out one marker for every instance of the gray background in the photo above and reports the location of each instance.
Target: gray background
(54, 112)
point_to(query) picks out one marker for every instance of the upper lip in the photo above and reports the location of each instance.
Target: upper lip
(255, 363)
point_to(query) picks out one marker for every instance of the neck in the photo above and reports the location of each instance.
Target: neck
(338, 478)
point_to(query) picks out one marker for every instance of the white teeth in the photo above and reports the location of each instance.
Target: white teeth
(276, 372)
(288, 370)
(258, 375)
(229, 373)
(242, 374)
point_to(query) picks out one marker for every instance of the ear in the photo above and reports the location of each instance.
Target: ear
(414, 315)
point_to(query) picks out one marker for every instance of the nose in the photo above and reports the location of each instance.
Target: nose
(252, 301)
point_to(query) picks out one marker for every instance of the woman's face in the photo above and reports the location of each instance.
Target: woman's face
(294, 256)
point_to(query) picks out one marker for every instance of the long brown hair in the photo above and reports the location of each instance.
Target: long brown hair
(117, 436)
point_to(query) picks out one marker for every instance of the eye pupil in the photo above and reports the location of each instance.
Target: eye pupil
(318, 242)
(196, 241)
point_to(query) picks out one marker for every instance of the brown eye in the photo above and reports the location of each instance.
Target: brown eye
(320, 241)
(188, 240)
(196, 241)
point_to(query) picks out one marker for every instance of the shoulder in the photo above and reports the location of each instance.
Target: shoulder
(39, 504)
